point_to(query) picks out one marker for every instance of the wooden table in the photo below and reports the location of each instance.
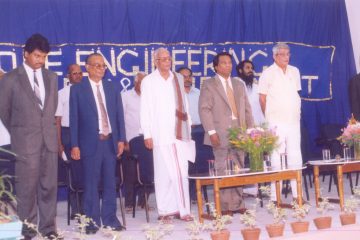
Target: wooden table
(340, 166)
(245, 177)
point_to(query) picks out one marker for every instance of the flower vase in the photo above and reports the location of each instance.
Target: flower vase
(357, 150)
(256, 161)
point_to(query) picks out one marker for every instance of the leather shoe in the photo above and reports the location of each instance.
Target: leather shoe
(241, 210)
(227, 212)
(53, 235)
(91, 230)
(117, 229)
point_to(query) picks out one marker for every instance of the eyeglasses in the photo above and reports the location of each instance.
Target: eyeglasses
(98, 66)
(76, 73)
(165, 59)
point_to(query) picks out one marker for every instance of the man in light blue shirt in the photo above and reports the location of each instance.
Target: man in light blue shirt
(192, 94)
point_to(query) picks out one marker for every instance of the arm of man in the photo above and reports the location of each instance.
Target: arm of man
(145, 112)
(206, 103)
(121, 124)
(249, 119)
(74, 123)
(262, 100)
(5, 101)
(58, 128)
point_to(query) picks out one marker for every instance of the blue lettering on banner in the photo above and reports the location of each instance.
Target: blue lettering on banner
(124, 60)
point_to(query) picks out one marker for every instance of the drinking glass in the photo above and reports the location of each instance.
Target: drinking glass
(211, 167)
(326, 154)
(346, 153)
(283, 160)
(267, 162)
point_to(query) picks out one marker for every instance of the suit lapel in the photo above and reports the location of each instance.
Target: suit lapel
(26, 86)
(220, 89)
(235, 83)
(89, 95)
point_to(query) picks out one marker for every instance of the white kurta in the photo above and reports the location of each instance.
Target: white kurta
(157, 119)
(283, 107)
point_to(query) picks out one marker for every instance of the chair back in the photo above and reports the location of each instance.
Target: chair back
(329, 134)
(203, 152)
(144, 157)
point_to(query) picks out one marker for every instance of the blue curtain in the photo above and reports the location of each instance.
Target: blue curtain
(313, 22)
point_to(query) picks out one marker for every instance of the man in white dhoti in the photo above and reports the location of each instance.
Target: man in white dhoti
(165, 123)
(279, 85)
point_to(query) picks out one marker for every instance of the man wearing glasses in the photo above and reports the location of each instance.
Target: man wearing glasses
(62, 124)
(166, 124)
(97, 133)
(279, 85)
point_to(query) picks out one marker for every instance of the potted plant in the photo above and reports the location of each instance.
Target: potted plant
(323, 222)
(158, 231)
(218, 225)
(255, 141)
(194, 228)
(348, 216)
(299, 214)
(276, 229)
(10, 225)
(249, 220)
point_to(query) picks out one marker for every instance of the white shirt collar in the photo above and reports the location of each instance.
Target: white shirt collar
(94, 84)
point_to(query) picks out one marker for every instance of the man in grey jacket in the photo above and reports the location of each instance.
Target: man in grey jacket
(28, 100)
(223, 104)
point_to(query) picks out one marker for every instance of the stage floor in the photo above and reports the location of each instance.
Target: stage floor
(135, 225)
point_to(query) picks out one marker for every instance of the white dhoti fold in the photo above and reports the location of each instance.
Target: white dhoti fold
(171, 180)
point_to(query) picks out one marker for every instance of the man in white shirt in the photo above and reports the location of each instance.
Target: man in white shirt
(131, 106)
(62, 124)
(279, 87)
(166, 125)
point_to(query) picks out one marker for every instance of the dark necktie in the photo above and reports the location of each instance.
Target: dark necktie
(37, 91)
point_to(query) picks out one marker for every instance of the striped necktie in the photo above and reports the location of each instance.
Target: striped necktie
(104, 117)
(37, 91)
(231, 98)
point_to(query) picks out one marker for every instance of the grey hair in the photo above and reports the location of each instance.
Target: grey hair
(279, 46)
(137, 75)
(159, 50)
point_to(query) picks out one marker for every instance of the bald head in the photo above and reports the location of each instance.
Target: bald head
(74, 73)
(162, 59)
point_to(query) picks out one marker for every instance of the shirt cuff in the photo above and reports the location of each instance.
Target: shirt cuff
(211, 132)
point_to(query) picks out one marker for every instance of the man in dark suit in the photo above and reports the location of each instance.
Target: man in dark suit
(354, 92)
(97, 136)
(28, 100)
(223, 104)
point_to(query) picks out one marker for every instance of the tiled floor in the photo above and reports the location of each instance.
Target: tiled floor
(135, 225)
